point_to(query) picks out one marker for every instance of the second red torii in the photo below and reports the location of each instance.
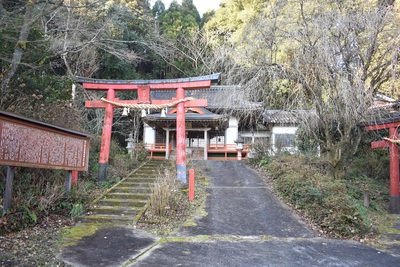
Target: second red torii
(394, 205)
(143, 88)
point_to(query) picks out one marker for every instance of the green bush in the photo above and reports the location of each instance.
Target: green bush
(332, 204)
(77, 209)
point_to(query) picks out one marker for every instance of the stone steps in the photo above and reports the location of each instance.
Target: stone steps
(108, 218)
(114, 210)
(128, 189)
(138, 180)
(123, 202)
(123, 195)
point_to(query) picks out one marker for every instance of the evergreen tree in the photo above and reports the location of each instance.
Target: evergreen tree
(158, 9)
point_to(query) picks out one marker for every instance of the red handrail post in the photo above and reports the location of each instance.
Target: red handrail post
(191, 184)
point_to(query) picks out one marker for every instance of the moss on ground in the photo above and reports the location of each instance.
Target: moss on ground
(74, 234)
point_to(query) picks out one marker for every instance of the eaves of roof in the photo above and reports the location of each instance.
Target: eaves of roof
(383, 117)
(188, 117)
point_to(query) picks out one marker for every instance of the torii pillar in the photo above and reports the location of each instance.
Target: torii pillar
(394, 205)
(144, 87)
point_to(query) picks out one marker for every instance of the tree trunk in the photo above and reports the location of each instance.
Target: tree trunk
(19, 49)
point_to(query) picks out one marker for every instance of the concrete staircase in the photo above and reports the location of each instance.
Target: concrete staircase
(124, 201)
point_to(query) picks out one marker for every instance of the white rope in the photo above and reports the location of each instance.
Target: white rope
(148, 106)
(391, 140)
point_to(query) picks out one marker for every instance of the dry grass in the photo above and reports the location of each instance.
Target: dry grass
(165, 193)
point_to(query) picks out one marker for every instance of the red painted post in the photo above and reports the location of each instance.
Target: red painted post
(106, 137)
(394, 205)
(191, 184)
(180, 137)
(74, 180)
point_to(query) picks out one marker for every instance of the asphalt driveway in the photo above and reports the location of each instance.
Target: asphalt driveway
(245, 225)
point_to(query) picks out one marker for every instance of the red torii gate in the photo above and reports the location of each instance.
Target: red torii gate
(394, 205)
(143, 88)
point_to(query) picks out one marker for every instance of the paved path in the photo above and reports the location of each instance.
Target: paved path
(246, 225)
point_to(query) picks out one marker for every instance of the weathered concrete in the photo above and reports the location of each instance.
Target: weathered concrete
(285, 253)
(246, 225)
(109, 246)
(241, 204)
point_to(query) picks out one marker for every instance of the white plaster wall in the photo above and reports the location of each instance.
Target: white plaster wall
(231, 134)
(149, 135)
(283, 130)
(255, 135)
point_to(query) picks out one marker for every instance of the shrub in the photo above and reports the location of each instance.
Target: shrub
(21, 217)
(260, 150)
(77, 209)
(329, 202)
(37, 193)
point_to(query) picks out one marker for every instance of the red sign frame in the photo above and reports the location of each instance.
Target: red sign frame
(29, 143)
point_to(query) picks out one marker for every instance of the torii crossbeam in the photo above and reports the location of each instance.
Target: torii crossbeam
(143, 88)
(394, 205)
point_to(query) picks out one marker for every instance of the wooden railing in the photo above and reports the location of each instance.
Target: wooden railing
(220, 147)
(158, 150)
(225, 152)
(214, 151)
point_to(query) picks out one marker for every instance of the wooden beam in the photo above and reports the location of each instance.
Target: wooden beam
(143, 94)
(187, 104)
(184, 85)
(95, 104)
(106, 86)
(382, 126)
(152, 86)
(68, 182)
(379, 144)
(8, 191)
(196, 103)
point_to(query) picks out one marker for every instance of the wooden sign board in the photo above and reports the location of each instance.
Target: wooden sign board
(29, 143)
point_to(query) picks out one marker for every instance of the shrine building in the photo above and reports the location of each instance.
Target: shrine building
(212, 132)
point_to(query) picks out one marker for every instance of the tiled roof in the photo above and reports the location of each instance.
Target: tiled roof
(285, 116)
(382, 97)
(213, 77)
(218, 97)
(207, 116)
(384, 116)
(384, 102)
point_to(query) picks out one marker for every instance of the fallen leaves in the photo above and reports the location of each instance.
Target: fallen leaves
(37, 246)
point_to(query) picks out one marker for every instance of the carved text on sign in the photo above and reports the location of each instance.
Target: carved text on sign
(21, 145)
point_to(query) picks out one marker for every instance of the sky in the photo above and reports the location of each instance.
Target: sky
(201, 5)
